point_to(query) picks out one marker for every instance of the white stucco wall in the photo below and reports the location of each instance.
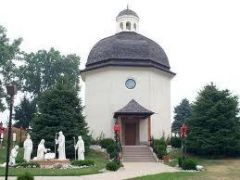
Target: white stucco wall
(105, 93)
(143, 130)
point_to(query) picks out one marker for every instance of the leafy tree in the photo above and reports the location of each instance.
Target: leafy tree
(2, 94)
(8, 52)
(182, 113)
(24, 113)
(60, 109)
(214, 127)
(42, 70)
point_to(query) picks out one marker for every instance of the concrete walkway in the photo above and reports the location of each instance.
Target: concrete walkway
(129, 170)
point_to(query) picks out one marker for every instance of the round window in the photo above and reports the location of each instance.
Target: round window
(130, 84)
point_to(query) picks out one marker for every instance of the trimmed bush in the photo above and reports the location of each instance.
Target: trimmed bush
(112, 166)
(105, 143)
(25, 176)
(28, 165)
(173, 162)
(180, 161)
(111, 148)
(160, 151)
(82, 163)
(176, 142)
(187, 163)
(159, 147)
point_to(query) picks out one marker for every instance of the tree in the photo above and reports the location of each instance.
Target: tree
(182, 113)
(8, 52)
(60, 109)
(214, 127)
(24, 113)
(42, 70)
(2, 94)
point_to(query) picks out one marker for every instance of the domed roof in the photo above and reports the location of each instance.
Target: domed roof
(127, 49)
(127, 12)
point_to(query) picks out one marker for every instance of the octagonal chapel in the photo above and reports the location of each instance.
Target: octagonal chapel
(127, 80)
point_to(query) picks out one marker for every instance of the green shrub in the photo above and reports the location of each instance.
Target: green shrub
(161, 151)
(25, 176)
(173, 162)
(187, 163)
(28, 165)
(104, 143)
(180, 161)
(113, 154)
(176, 142)
(111, 148)
(113, 166)
(159, 147)
(82, 163)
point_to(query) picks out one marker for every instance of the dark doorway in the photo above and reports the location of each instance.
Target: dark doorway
(130, 133)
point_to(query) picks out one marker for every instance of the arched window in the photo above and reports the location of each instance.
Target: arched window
(121, 26)
(135, 26)
(128, 26)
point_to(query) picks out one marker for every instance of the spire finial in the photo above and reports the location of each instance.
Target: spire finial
(127, 6)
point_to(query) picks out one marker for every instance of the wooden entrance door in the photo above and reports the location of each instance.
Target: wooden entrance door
(130, 133)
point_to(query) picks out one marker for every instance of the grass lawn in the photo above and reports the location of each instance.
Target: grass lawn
(222, 169)
(100, 160)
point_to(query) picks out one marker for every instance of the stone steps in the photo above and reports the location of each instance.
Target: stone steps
(140, 153)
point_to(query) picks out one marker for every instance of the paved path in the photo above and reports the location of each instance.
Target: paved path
(128, 171)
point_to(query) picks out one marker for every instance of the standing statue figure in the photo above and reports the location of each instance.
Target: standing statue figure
(28, 147)
(13, 155)
(41, 150)
(80, 147)
(61, 146)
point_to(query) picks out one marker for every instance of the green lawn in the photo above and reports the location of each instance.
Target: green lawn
(100, 160)
(169, 176)
(224, 169)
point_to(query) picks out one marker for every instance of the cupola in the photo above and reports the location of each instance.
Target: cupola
(127, 20)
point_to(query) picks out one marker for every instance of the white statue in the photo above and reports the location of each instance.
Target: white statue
(41, 150)
(80, 147)
(13, 155)
(49, 156)
(61, 146)
(28, 147)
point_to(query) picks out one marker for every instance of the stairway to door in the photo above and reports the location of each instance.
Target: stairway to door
(137, 153)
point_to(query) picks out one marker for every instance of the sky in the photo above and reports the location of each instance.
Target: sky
(200, 37)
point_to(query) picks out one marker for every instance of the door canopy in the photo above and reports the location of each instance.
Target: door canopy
(133, 108)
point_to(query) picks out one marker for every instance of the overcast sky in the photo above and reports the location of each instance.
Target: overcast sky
(200, 37)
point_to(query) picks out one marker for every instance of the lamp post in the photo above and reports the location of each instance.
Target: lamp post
(116, 129)
(183, 134)
(1, 133)
(11, 91)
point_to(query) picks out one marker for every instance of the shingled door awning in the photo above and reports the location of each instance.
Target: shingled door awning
(133, 108)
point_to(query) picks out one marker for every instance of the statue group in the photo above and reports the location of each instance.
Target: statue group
(43, 153)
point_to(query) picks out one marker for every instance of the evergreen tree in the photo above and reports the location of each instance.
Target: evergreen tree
(59, 109)
(214, 127)
(24, 113)
(182, 113)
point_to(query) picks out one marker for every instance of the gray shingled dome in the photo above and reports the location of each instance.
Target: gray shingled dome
(127, 49)
(127, 12)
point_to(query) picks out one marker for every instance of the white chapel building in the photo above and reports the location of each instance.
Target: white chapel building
(128, 79)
